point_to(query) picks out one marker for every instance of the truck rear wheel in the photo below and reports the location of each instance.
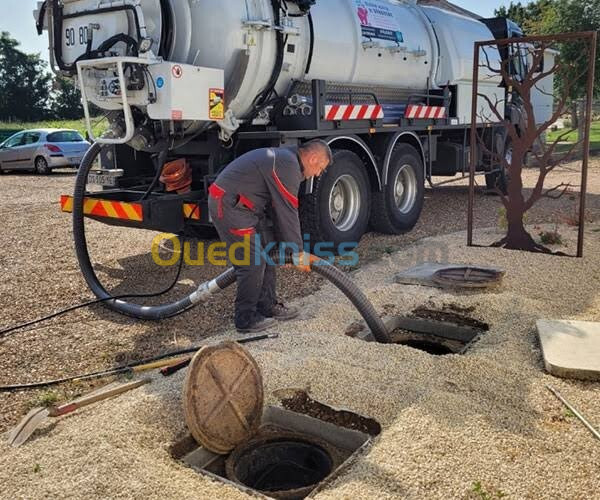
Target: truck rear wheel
(397, 208)
(337, 210)
(499, 180)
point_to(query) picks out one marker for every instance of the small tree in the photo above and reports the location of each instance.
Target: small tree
(524, 135)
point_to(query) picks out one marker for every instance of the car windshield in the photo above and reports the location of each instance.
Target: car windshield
(65, 136)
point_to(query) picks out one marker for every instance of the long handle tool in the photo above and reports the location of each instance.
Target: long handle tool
(575, 412)
(180, 364)
(36, 417)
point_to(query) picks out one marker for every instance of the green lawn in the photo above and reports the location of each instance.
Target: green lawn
(572, 137)
(78, 125)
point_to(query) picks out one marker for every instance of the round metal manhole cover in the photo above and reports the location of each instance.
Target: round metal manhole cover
(223, 397)
(468, 277)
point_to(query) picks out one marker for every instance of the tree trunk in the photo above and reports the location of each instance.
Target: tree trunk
(573, 109)
(517, 237)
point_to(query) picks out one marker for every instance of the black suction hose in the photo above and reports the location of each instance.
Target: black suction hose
(358, 299)
(204, 291)
(118, 305)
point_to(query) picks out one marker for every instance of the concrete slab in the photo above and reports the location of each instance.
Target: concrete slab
(423, 274)
(571, 349)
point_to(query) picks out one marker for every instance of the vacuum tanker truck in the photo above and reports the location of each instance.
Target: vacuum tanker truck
(189, 85)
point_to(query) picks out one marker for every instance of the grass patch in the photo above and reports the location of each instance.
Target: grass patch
(551, 238)
(573, 137)
(78, 125)
(44, 400)
(479, 492)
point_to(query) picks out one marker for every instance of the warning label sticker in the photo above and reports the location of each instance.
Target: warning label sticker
(216, 104)
(378, 20)
(177, 71)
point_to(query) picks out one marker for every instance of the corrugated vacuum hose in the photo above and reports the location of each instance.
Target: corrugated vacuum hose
(205, 290)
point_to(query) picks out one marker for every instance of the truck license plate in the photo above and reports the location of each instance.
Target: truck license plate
(105, 178)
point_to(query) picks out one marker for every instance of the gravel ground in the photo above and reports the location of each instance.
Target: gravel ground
(448, 422)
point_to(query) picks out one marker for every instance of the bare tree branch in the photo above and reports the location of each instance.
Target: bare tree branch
(565, 188)
(550, 165)
(549, 94)
(549, 151)
(509, 126)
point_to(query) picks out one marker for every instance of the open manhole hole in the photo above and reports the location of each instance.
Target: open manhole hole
(291, 456)
(286, 466)
(274, 452)
(438, 333)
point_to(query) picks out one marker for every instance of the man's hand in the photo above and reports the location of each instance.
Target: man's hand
(303, 261)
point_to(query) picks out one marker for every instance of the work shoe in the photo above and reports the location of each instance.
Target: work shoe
(281, 312)
(258, 324)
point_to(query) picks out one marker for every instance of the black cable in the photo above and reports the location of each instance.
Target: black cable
(128, 368)
(260, 99)
(7, 331)
(159, 163)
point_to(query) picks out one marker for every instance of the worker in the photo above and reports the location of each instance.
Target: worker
(255, 200)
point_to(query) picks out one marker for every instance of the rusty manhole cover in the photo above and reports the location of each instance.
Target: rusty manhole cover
(223, 397)
(468, 277)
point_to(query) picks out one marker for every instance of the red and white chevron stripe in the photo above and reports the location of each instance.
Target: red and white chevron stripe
(338, 112)
(425, 112)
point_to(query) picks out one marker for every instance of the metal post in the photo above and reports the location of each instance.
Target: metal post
(473, 144)
(586, 142)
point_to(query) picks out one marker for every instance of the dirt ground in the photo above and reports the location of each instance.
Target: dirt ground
(39, 275)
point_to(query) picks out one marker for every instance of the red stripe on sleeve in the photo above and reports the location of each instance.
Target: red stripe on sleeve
(283, 190)
(247, 202)
(243, 232)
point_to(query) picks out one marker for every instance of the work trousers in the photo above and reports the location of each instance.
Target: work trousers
(256, 279)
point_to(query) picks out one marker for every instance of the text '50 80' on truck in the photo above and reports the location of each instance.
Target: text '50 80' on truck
(193, 84)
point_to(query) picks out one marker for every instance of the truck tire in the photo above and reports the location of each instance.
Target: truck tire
(397, 208)
(337, 210)
(499, 180)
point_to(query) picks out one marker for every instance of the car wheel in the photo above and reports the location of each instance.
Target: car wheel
(1, 170)
(41, 166)
(337, 211)
(398, 207)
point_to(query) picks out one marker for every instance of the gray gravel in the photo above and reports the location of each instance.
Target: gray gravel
(449, 422)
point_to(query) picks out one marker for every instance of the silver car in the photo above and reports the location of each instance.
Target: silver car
(42, 150)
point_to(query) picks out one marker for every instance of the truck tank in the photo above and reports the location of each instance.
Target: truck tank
(266, 45)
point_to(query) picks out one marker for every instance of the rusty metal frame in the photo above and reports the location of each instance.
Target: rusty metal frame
(591, 37)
